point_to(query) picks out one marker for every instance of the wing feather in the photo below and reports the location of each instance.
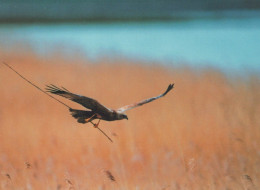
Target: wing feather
(134, 105)
(87, 102)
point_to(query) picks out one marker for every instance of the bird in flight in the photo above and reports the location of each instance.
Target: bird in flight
(95, 110)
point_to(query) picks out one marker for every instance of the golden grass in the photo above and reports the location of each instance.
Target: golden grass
(205, 134)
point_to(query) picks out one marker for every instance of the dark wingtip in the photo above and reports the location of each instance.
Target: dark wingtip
(52, 89)
(49, 88)
(169, 88)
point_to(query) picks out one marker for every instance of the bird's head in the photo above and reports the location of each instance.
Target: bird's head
(122, 116)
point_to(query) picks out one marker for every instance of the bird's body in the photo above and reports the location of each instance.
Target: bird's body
(95, 110)
(82, 115)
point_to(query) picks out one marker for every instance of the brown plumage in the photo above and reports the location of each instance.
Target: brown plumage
(95, 109)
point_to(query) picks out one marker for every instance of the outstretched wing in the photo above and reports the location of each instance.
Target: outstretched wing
(89, 103)
(131, 106)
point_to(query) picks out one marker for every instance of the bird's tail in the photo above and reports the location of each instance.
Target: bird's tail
(80, 115)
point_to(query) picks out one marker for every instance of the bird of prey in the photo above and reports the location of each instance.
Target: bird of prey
(95, 110)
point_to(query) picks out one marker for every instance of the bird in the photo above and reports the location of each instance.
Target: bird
(96, 110)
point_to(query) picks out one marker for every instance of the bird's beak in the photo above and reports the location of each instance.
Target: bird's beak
(126, 117)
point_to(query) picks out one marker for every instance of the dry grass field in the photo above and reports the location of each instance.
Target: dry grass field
(205, 134)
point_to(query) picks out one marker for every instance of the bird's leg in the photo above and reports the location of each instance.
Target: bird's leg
(89, 119)
(95, 124)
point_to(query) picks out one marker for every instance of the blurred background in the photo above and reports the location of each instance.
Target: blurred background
(200, 33)
(205, 134)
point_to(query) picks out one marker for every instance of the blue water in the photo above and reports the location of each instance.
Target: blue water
(232, 45)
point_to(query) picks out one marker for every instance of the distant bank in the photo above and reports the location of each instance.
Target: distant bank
(124, 10)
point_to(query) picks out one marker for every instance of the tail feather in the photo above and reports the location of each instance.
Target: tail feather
(80, 115)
